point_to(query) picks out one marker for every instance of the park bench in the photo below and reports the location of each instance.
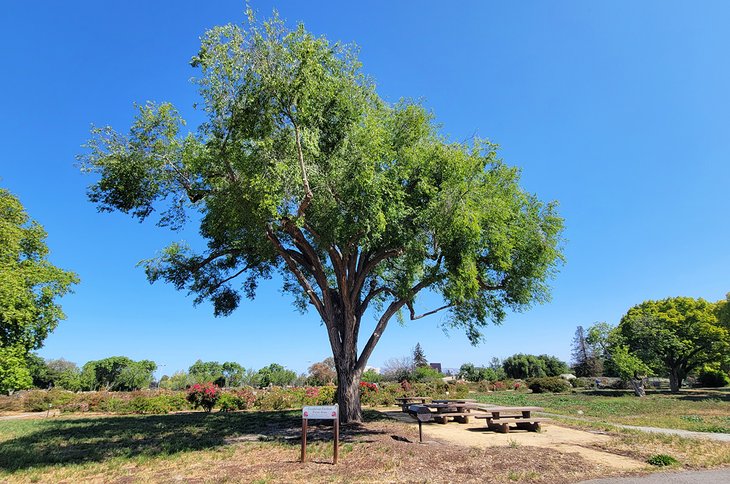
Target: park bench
(421, 413)
(460, 411)
(500, 418)
(405, 402)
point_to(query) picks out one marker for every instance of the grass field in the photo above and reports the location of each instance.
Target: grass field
(259, 447)
(263, 447)
(707, 411)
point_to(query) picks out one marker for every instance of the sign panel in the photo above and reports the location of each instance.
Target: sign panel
(324, 412)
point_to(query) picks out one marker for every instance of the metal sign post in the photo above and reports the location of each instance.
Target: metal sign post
(321, 412)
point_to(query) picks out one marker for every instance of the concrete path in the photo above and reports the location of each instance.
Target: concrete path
(657, 430)
(689, 477)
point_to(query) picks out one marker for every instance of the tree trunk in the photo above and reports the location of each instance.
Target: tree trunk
(675, 380)
(348, 394)
(638, 385)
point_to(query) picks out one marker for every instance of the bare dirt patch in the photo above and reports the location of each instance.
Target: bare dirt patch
(380, 450)
(562, 439)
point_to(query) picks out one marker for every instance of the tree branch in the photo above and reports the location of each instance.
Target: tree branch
(413, 313)
(366, 266)
(295, 270)
(305, 180)
(393, 308)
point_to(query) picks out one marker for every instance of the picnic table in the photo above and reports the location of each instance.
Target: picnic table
(500, 418)
(405, 402)
(459, 410)
(454, 400)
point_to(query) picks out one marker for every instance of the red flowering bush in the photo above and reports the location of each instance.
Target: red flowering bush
(203, 395)
(368, 387)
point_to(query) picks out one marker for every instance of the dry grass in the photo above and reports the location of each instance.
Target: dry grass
(695, 410)
(691, 453)
(378, 451)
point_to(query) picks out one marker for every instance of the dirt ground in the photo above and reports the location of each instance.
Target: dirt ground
(552, 436)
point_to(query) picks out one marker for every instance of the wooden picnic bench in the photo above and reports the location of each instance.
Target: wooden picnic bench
(459, 411)
(454, 400)
(405, 402)
(500, 418)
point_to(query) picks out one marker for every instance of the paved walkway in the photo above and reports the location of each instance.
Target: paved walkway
(657, 430)
(690, 477)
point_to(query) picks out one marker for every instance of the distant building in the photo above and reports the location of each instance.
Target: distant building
(435, 366)
(376, 370)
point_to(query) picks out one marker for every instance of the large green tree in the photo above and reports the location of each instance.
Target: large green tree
(29, 284)
(360, 205)
(117, 373)
(674, 336)
(29, 288)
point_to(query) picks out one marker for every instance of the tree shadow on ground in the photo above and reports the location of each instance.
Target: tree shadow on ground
(82, 440)
(706, 396)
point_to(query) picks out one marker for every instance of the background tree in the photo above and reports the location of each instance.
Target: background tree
(419, 357)
(207, 371)
(473, 373)
(674, 336)
(360, 205)
(65, 374)
(723, 311)
(530, 366)
(323, 372)
(585, 360)
(58, 373)
(14, 373)
(553, 365)
(399, 369)
(117, 373)
(630, 368)
(275, 375)
(29, 288)
(598, 337)
(135, 376)
(371, 376)
(179, 380)
(233, 373)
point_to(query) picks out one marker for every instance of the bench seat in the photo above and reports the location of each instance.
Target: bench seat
(502, 424)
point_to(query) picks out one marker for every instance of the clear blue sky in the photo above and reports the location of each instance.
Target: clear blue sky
(619, 110)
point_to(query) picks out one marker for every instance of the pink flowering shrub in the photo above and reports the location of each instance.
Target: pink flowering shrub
(203, 395)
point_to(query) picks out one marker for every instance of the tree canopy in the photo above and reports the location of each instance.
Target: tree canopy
(117, 373)
(302, 169)
(29, 283)
(531, 366)
(674, 336)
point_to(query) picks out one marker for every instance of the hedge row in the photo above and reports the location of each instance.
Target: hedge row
(275, 398)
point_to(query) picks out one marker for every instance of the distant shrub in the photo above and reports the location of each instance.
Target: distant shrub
(550, 384)
(583, 382)
(458, 390)
(227, 402)
(713, 378)
(203, 395)
(42, 400)
(368, 393)
(246, 398)
(326, 395)
(425, 374)
(158, 404)
(371, 376)
(662, 460)
(12, 403)
(275, 398)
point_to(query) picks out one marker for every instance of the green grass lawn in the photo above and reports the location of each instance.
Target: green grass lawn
(698, 411)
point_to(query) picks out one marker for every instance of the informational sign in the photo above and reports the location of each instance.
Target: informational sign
(323, 412)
